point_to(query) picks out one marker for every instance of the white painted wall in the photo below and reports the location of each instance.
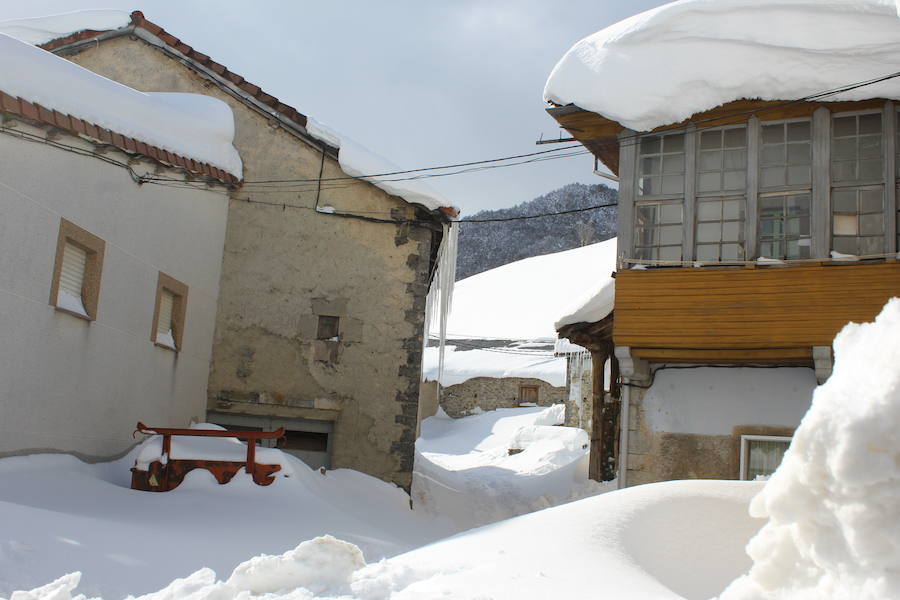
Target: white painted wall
(71, 385)
(711, 401)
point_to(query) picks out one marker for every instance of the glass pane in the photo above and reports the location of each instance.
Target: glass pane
(735, 159)
(844, 201)
(804, 225)
(792, 249)
(708, 252)
(711, 160)
(772, 176)
(731, 231)
(709, 182)
(870, 201)
(732, 252)
(709, 211)
(673, 163)
(772, 155)
(650, 145)
(843, 149)
(670, 234)
(846, 245)
(870, 123)
(670, 253)
(798, 131)
(735, 138)
(844, 126)
(649, 185)
(769, 228)
(870, 146)
(799, 154)
(644, 253)
(799, 175)
(764, 456)
(871, 245)
(647, 236)
(733, 209)
(845, 225)
(673, 184)
(673, 143)
(798, 204)
(772, 134)
(843, 170)
(710, 139)
(646, 214)
(792, 226)
(650, 166)
(869, 169)
(670, 213)
(709, 232)
(871, 224)
(735, 180)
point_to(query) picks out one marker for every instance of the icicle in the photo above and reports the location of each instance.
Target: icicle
(440, 296)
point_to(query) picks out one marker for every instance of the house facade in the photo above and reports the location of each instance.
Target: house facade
(749, 234)
(110, 255)
(321, 313)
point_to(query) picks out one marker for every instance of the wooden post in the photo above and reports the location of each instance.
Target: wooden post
(598, 362)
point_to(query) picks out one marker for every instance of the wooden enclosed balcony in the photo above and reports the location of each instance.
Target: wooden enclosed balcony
(743, 315)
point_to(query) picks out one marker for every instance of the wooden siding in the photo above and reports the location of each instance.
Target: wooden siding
(746, 315)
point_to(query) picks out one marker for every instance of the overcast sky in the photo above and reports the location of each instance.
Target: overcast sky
(422, 83)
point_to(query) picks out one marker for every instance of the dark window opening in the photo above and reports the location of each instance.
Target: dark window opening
(329, 327)
(309, 441)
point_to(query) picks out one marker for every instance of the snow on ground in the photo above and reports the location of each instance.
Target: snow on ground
(685, 55)
(195, 126)
(521, 300)
(60, 515)
(462, 364)
(834, 503)
(464, 469)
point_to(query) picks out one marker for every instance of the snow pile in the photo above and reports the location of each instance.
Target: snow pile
(462, 364)
(195, 126)
(665, 64)
(834, 503)
(465, 470)
(594, 305)
(521, 300)
(357, 161)
(40, 30)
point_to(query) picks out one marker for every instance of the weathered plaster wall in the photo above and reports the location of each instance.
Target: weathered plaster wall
(688, 425)
(285, 264)
(489, 393)
(67, 384)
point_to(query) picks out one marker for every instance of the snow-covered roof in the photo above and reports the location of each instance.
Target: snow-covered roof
(594, 305)
(666, 64)
(521, 300)
(194, 126)
(354, 159)
(464, 363)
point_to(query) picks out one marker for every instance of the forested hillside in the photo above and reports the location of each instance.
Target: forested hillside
(483, 246)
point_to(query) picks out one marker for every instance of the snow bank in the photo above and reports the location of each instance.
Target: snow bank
(195, 126)
(40, 30)
(665, 64)
(521, 300)
(464, 469)
(461, 364)
(357, 161)
(833, 503)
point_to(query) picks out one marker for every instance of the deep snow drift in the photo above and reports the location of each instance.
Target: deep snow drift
(665, 64)
(834, 503)
(464, 469)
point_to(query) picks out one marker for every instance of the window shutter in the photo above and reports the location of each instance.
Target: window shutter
(71, 278)
(166, 303)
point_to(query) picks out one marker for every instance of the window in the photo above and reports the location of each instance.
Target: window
(661, 165)
(328, 328)
(658, 230)
(528, 394)
(169, 313)
(857, 209)
(761, 454)
(721, 189)
(75, 288)
(784, 230)
(785, 159)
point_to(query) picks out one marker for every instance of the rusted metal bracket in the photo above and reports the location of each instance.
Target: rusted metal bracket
(167, 473)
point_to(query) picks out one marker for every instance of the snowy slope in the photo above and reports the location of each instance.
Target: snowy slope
(464, 471)
(523, 299)
(195, 126)
(665, 64)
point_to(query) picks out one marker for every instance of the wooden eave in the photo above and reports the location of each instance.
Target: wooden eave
(594, 336)
(600, 135)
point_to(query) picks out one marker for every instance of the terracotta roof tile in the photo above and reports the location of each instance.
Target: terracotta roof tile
(36, 112)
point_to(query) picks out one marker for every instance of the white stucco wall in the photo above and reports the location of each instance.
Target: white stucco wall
(711, 401)
(71, 385)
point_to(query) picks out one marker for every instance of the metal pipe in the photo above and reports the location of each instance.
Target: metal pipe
(624, 419)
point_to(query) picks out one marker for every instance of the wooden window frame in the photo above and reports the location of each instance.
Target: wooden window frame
(179, 309)
(530, 386)
(95, 247)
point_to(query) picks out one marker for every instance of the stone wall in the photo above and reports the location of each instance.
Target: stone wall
(286, 266)
(578, 391)
(489, 393)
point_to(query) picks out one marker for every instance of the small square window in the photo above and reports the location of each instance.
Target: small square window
(75, 288)
(169, 313)
(761, 455)
(528, 394)
(329, 328)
